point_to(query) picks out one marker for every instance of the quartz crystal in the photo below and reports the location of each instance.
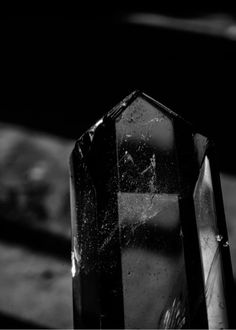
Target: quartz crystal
(149, 241)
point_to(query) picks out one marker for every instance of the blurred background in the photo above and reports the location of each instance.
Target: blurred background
(59, 74)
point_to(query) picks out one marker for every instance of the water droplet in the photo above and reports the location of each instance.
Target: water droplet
(219, 238)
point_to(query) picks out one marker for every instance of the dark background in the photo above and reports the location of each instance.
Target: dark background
(59, 74)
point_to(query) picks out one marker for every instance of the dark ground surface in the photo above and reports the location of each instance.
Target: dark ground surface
(60, 75)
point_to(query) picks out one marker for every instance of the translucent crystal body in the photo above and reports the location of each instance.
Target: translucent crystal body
(149, 242)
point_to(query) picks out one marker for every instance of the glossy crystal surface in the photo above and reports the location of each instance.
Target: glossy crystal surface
(143, 211)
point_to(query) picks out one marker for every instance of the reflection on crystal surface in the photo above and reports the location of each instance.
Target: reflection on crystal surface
(145, 144)
(210, 239)
(136, 242)
(152, 259)
(151, 246)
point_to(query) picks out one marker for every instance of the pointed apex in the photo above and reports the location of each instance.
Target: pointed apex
(145, 99)
(139, 114)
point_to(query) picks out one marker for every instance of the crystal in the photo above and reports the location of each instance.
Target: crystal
(149, 240)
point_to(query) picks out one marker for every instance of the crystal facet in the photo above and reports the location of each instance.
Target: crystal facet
(147, 215)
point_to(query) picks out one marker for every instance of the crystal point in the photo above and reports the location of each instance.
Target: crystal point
(145, 200)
